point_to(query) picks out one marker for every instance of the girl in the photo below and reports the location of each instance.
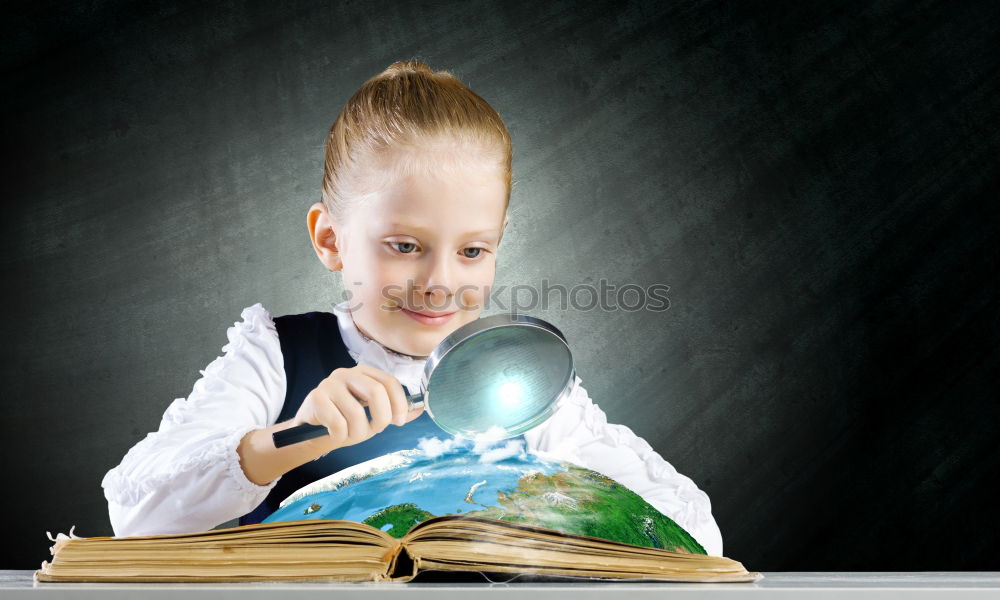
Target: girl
(416, 185)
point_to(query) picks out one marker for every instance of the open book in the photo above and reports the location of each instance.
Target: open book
(330, 550)
(445, 506)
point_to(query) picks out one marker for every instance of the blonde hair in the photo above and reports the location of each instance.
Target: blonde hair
(405, 119)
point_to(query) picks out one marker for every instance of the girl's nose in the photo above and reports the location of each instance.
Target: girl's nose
(437, 286)
(437, 299)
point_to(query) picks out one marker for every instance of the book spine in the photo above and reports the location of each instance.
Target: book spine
(402, 566)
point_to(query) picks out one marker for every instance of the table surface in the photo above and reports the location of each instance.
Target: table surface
(923, 584)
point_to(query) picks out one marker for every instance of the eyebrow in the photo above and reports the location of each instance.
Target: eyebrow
(490, 232)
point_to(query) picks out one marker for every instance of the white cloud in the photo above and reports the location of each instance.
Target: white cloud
(489, 449)
(511, 448)
(486, 439)
(433, 447)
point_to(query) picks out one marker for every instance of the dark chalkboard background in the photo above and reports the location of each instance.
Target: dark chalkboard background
(817, 184)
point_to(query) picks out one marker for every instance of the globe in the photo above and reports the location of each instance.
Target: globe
(397, 491)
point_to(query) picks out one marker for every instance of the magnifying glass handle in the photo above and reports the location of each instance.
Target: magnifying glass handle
(307, 431)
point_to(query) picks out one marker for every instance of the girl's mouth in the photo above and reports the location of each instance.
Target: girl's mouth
(428, 320)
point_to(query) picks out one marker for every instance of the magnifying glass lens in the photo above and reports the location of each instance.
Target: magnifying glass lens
(506, 377)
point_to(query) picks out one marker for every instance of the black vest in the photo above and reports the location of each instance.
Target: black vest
(311, 348)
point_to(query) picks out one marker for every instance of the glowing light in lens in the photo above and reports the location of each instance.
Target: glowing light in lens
(510, 394)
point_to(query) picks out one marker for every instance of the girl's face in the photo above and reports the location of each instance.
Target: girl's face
(424, 245)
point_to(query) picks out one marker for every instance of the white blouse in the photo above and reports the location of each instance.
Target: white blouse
(186, 476)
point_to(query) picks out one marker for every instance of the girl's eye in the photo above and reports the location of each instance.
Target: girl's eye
(405, 247)
(477, 250)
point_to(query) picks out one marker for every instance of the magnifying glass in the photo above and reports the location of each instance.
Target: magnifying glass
(499, 375)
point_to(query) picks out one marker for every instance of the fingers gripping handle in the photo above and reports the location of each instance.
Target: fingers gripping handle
(307, 431)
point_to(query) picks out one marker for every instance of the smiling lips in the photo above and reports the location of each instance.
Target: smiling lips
(429, 318)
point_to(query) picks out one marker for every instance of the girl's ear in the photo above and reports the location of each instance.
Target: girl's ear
(323, 236)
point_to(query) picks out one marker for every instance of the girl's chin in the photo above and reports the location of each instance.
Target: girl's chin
(420, 339)
(409, 339)
(420, 342)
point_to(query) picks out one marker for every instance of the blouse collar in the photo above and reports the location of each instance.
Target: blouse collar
(365, 350)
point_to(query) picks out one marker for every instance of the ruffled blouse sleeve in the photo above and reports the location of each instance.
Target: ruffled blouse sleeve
(186, 476)
(579, 432)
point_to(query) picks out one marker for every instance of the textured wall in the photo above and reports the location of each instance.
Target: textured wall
(817, 186)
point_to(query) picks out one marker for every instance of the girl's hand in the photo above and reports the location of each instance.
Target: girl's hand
(337, 401)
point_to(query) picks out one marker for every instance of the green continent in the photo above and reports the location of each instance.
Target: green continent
(402, 517)
(585, 502)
